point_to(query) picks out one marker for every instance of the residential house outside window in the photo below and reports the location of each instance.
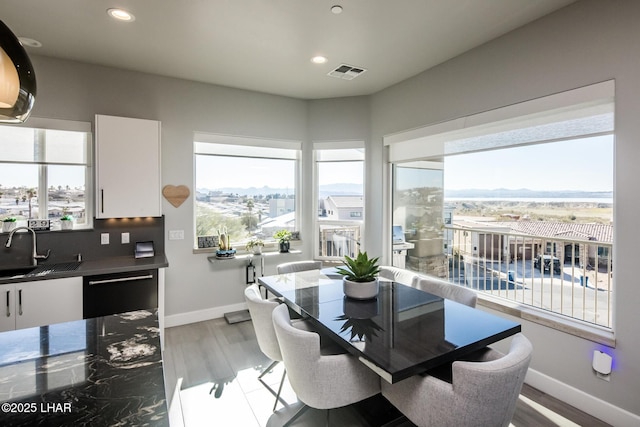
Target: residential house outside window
(340, 198)
(45, 172)
(516, 203)
(245, 188)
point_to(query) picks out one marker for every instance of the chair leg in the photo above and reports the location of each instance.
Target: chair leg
(301, 411)
(284, 374)
(267, 369)
(277, 395)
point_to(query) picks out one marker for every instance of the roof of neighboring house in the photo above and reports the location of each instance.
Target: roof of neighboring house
(347, 201)
(590, 231)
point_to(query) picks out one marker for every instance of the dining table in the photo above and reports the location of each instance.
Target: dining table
(402, 332)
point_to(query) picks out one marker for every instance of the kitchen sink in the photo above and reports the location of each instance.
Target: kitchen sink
(37, 271)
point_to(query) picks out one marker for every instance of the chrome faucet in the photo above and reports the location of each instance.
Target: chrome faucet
(34, 251)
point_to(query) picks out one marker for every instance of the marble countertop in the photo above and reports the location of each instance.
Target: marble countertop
(104, 371)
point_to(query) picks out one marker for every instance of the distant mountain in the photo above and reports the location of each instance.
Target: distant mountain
(502, 193)
(325, 190)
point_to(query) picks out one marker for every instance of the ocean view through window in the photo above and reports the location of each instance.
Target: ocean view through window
(519, 209)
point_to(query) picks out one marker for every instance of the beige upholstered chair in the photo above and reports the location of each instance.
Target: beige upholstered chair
(261, 310)
(295, 266)
(399, 275)
(320, 381)
(482, 393)
(447, 290)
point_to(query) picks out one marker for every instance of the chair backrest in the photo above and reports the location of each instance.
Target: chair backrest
(321, 381)
(488, 391)
(483, 392)
(399, 275)
(447, 290)
(292, 267)
(261, 310)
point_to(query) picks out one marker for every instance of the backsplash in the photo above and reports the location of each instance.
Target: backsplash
(66, 245)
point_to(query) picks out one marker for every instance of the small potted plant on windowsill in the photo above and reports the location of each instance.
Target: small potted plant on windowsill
(283, 237)
(360, 279)
(255, 245)
(66, 222)
(8, 224)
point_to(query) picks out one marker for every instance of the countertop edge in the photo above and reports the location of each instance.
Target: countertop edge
(109, 265)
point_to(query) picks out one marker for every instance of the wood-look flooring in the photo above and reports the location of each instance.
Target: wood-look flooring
(211, 371)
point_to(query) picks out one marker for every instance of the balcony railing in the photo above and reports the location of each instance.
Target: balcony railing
(338, 238)
(571, 277)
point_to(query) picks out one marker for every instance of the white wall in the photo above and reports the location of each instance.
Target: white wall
(585, 43)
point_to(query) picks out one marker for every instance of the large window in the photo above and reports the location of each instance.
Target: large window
(340, 199)
(245, 188)
(516, 203)
(44, 173)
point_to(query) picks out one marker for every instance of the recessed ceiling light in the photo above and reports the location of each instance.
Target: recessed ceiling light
(336, 10)
(24, 41)
(319, 59)
(121, 15)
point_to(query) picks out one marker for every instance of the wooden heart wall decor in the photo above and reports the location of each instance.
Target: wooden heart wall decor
(176, 195)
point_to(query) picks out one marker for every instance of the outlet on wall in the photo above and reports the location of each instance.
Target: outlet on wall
(176, 234)
(104, 238)
(124, 238)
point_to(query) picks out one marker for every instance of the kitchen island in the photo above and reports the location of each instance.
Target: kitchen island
(95, 372)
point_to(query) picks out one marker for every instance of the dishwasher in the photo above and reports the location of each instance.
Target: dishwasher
(108, 294)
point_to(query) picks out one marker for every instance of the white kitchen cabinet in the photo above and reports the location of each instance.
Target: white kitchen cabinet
(127, 167)
(39, 303)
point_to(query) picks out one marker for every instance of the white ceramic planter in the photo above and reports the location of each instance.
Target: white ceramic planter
(66, 225)
(8, 226)
(360, 290)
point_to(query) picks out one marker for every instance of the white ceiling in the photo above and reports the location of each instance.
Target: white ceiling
(266, 45)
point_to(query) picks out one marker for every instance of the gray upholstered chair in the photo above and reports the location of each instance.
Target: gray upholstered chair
(261, 310)
(320, 381)
(399, 275)
(295, 266)
(482, 393)
(447, 290)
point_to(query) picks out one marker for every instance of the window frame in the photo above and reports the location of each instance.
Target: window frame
(45, 124)
(427, 143)
(318, 146)
(235, 146)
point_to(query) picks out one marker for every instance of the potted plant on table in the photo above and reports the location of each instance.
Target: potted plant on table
(360, 279)
(255, 245)
(283, 237)
(8, 224)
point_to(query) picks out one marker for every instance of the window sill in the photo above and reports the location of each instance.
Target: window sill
(560, 323)
(246, 256)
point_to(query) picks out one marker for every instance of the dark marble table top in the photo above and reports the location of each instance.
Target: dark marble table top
(402, 332)
(105, 371)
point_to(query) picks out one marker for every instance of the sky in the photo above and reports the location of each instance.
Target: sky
(583, 164)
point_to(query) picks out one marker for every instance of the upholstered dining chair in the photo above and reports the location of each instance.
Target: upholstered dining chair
(295, 266)
(447, 290)
(261, 310)
(320, 381)
(481, 393)
(399, 275)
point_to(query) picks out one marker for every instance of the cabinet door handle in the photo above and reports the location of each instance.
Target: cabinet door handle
(121, 279)
(102, 200)
(8, 304)
(20, 302)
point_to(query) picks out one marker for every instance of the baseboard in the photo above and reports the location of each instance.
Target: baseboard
(579, 399)
(201, 315)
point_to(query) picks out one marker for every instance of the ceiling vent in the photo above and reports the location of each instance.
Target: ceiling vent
(346, 72)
